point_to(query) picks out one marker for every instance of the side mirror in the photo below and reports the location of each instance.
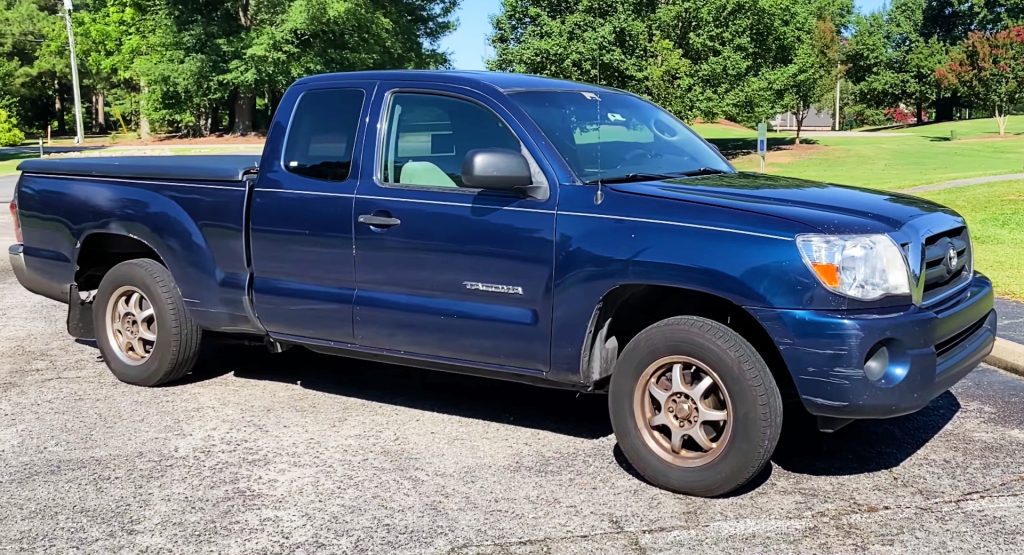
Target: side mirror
(497, 169)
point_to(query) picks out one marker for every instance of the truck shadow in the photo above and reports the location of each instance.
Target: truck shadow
(861, 447)
(570, 413)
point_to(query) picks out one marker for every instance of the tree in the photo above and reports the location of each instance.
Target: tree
(892, 60)
(194, 67)
(814, 71)
(699, 58)
(950, 21)
(916, 53)
(273, 43)
(989, 67)
(29, 79)
(10, 135)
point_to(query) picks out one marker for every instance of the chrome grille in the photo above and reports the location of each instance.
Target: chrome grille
(947, 263)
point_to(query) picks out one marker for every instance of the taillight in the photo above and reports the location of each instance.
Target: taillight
(17, 222)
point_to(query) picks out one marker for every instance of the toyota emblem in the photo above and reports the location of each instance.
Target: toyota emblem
(951, 259)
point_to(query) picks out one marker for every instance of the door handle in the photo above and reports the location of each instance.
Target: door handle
(378, 221)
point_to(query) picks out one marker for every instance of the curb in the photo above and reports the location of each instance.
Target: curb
(1007, 355)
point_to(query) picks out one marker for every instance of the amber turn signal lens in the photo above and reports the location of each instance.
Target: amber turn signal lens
(827, 273)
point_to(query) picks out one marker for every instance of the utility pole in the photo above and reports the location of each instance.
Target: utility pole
(79, 129)
(839, 81)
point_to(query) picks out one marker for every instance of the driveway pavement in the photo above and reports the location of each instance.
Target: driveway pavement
(7, 187)
(305, 453)
(1011, 320)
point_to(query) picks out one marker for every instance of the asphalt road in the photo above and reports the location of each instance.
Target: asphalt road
(302, 453)
(1011, 319)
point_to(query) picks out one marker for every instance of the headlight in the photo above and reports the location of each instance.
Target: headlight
(865, 267)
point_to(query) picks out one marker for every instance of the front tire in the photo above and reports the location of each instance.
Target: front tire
(694, 407)
(143, 329)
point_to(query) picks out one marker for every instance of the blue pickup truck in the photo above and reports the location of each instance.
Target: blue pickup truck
(529, 229)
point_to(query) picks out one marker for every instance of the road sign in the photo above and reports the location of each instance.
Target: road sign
(762, 142)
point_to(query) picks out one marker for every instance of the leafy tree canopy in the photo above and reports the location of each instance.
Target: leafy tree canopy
(699, 58)
(190, 66)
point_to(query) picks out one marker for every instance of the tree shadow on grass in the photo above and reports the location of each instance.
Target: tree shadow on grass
(735, 148)
(19, 155)
(984, 137)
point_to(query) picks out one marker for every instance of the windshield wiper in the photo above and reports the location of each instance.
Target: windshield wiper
(648, 176)
(701, 171)
(634, 177)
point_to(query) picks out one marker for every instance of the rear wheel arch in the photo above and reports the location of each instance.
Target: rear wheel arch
(100, 251)
(628, 309)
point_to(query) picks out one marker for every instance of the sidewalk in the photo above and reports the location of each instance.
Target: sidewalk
(7, 187)
(965, 182)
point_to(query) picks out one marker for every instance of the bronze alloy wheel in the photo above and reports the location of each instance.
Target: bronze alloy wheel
(131, 325)
(683, 411)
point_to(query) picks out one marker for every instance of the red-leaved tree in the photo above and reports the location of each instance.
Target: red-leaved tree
(988, 68)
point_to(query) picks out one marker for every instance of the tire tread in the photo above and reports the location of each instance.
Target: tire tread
(185, 334)
(769, 400)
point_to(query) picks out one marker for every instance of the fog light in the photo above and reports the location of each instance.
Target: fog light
(877, 363)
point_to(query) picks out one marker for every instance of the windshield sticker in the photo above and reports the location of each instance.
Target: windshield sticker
(590, 96)
(612, 116)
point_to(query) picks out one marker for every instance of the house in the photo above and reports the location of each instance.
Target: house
(816, 120)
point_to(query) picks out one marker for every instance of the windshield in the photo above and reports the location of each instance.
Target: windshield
(612, 136)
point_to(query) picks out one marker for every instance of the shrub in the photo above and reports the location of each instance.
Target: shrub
(10, 135)
(900, 115)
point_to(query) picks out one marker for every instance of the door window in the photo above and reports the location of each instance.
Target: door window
(428, 137)
(323, 130)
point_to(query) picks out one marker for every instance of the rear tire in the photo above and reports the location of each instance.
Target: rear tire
(143, 329)
(694, 407)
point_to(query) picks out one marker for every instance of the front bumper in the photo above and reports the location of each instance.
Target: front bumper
(930, 351)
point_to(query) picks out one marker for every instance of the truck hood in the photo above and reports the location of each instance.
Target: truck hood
(827, 207)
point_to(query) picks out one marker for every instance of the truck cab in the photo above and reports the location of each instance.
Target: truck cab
(529, 229)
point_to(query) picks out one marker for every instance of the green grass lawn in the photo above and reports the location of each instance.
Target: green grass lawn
(995, 214)
(719, 131)
(976, 128)
(894, 163)
(10, 161)
(918, 155)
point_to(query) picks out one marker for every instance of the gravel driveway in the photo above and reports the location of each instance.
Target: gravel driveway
(302, 453)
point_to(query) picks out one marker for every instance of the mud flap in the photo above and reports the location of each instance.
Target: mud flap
(79, 315)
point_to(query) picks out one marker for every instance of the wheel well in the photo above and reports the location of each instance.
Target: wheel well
(629, 309)
(102, 251)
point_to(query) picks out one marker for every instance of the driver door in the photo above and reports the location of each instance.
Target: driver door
(442, 271)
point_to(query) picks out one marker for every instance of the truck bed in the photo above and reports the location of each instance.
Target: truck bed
(188, 212)
(189, 168)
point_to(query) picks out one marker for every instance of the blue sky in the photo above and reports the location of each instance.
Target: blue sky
(468, 44)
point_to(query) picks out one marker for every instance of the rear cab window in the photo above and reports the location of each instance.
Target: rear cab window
(322, 136)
